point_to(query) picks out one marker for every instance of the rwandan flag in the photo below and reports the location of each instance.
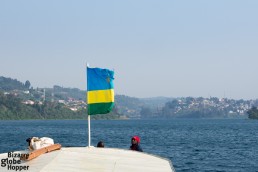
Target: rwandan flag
(100, 90)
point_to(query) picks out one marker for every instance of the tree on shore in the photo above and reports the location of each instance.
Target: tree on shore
(253, 113)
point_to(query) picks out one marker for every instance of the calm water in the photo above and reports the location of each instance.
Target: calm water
(191, 145)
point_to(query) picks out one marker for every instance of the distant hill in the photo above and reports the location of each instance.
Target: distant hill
(13, 108)
(129, 106)
(20, 101)
(156, 102)
(69, 103)
(8, 84)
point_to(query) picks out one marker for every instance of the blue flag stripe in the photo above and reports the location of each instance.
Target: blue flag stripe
(99, 79)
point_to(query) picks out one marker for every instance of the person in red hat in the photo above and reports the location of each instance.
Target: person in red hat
(136, 144)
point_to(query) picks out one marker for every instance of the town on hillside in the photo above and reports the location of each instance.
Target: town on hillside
(128, 107)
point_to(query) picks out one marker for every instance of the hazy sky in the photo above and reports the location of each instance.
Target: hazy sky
(157, 48)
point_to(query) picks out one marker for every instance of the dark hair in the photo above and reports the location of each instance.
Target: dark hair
(100, 144)
(28, 140)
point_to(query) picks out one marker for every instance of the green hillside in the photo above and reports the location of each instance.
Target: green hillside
(21, 101)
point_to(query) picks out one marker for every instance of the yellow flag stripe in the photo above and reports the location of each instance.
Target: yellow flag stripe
(101, 96)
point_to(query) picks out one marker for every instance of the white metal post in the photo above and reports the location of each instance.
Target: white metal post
(89, 137)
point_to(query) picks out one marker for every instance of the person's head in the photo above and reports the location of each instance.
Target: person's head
(100, 144)
(135, 140)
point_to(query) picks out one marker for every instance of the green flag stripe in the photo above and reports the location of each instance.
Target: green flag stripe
(100, 108)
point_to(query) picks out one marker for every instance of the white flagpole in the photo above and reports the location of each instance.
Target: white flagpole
(89, 138)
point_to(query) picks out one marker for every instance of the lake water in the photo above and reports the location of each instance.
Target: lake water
(191, 145)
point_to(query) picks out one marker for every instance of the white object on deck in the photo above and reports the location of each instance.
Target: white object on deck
(42, 142)
(91, 159)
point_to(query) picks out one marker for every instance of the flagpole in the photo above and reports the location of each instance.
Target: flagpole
(89, 137)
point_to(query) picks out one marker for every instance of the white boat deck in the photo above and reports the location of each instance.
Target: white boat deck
(91, 159)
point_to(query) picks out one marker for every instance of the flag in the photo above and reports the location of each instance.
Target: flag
(100, 90)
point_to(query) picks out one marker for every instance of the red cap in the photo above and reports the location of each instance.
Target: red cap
(137, 138)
